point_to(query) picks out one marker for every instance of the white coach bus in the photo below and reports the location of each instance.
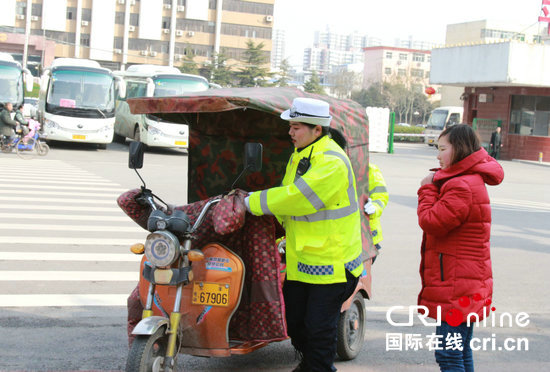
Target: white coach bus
(77, 101)
(154, 81)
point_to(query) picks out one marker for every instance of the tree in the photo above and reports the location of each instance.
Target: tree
(284, 75)
(343, 83)
(253, 74)
(217, 71)
(373, 96)
(313, 85)
(189, 66)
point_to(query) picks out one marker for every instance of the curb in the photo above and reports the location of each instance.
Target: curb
(532, 162)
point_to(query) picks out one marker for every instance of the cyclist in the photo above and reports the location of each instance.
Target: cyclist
(7, 124)
(23, 123)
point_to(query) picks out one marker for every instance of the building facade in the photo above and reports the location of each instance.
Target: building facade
(118, 33)
(390, 64)
(483, 31)
(278, 48)
(514, 94)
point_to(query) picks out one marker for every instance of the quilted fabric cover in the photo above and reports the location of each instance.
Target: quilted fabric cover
(260, 315)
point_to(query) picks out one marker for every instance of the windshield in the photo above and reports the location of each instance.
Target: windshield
(437, 119)
(82, 90)
(11, 84)
(177, 86)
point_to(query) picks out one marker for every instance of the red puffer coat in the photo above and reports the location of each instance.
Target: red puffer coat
(455, 214)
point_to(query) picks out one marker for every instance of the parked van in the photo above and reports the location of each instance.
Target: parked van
(154, 81)
(439, 120)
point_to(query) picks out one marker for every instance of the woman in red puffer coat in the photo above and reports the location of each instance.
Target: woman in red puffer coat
(455, 214)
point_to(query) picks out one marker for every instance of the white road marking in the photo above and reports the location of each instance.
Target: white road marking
(40, 300)
(65, 240)
(59, 208)
(64, 181)
(70, 217)
(83, 228)
(62, 193)
(65, 276)
(58, 200)
(66, 256)
(24, 186)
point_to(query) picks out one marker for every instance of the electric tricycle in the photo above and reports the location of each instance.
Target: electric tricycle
(211, 275)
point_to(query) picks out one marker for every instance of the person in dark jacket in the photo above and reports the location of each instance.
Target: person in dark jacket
(454, 213)
(496, 143)
(7, 124)
(23, 123)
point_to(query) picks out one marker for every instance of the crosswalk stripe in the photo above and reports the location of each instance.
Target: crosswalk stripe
(57, 200)
(41, 300)
(71, 276)
(65, 256)
(64, 181)
(69, 217)
(62, 187)
(62, 193)
(51, 173)
(65, 240)
(58, 207)
(84, 228)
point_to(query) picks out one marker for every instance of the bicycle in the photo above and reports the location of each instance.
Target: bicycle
(26, 147)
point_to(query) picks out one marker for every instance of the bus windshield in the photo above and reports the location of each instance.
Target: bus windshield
(177, 86)
(437, 119)
(82, 90)
(11, 84)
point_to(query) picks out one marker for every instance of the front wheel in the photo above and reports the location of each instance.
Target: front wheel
(42, 148)
(26, 150)
(148, 352)
(351, 329)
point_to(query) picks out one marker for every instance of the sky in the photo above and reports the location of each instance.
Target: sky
(425, 20)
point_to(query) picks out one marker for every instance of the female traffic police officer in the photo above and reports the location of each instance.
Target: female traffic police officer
(317, 205)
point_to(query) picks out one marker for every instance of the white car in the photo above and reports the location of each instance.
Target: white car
(30, 105)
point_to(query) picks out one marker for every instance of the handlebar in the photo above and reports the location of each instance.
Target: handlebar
(199, 220)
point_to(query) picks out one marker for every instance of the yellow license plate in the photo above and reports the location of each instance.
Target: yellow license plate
(79, 136)
(430, 140)
(212, 294)
(181, 143)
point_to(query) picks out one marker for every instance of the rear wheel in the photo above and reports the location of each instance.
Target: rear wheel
(147, 352)
(28, 150)
(351, 329)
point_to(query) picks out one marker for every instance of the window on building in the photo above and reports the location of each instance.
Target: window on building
(36, 10)
(119, 18)
(389, 55)
(403, 56)
(85, 39)
(387, 71)
(530, 115)
(417, 73)
(418, 57)
(134, 19)
(165, 22)
(427, 75)
(86, 14)
(401, 72)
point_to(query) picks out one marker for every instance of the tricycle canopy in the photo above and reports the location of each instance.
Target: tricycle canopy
(221, 121)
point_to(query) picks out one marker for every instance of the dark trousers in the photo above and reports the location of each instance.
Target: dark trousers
(452, 358)
(312, 314)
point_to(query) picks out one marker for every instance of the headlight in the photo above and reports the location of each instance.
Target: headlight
(161, 248)
(49, 124)
(154, 131)
(106, 128)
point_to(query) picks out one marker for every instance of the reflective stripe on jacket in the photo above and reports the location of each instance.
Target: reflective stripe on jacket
(379, 196)
(320, 214)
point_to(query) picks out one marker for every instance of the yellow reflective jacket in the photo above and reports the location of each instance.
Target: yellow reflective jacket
(320, 214)
(379, 196)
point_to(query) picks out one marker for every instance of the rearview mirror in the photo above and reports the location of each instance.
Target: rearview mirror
(135, 155)
(253, 156)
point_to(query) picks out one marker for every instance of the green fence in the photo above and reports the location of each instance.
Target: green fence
(484, 128)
